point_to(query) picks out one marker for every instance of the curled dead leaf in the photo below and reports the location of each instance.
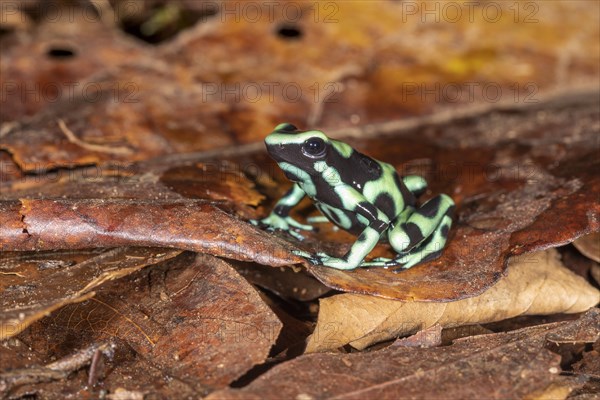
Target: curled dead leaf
(40, 224)
(589, 246)
(536, 283)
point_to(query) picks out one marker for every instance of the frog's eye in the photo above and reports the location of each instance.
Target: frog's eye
(286, 128)
(314, 147)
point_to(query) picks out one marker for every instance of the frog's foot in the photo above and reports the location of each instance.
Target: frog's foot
(400, 263)
(380, 262)
(287, 224)
(317, 219)
(313, 258)
(326, 260)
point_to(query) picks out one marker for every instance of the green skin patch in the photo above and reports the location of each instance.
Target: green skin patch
(359, 194)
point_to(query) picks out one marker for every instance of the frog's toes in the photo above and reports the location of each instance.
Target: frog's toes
(301, 253)
(339, 263)
(397, 269)
(312, 258)
(316, 259)
(392, 264)
(298, 225)
(296, 235)
(406, 261)
(376, 262)
(318, 219)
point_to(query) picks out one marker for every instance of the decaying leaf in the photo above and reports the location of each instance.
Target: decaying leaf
(221, 182)
(589, 366)
(125, 114)
(536, 284)
(190, 94)
(50, 64)
(360, 71)
(508, 365)
(193, 317)
(35, 284)
(107, 142)
(38, 224)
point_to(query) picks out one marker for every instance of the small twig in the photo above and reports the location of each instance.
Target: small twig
(54, 371)
(12, 273)
(94, 367)
(90, 146)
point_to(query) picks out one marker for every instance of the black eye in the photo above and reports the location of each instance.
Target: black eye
(314, 147)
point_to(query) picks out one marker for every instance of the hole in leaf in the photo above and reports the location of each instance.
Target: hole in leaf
(60, 53)
(289, 32)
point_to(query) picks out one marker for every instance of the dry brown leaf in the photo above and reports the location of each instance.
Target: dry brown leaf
(193, 317)
(39, 285)
(536, 283)
(509, 365)
(40, 224)
(402, 65)
(50, 63)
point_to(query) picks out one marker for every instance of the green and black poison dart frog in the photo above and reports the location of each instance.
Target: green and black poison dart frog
(359, 194)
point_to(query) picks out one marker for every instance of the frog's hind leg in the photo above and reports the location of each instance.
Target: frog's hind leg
(421, 237)
(430, 249)
(420, 224)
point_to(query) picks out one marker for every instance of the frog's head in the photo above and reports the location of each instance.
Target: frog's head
(297, 151)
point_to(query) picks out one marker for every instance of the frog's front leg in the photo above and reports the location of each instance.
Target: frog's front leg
(365, 242)
(280, 218)
(354, 257)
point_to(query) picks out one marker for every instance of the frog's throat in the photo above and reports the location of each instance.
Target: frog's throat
(294, 173)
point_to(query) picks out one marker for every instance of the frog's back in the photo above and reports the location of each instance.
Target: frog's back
(355, 168)
(377, 181)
